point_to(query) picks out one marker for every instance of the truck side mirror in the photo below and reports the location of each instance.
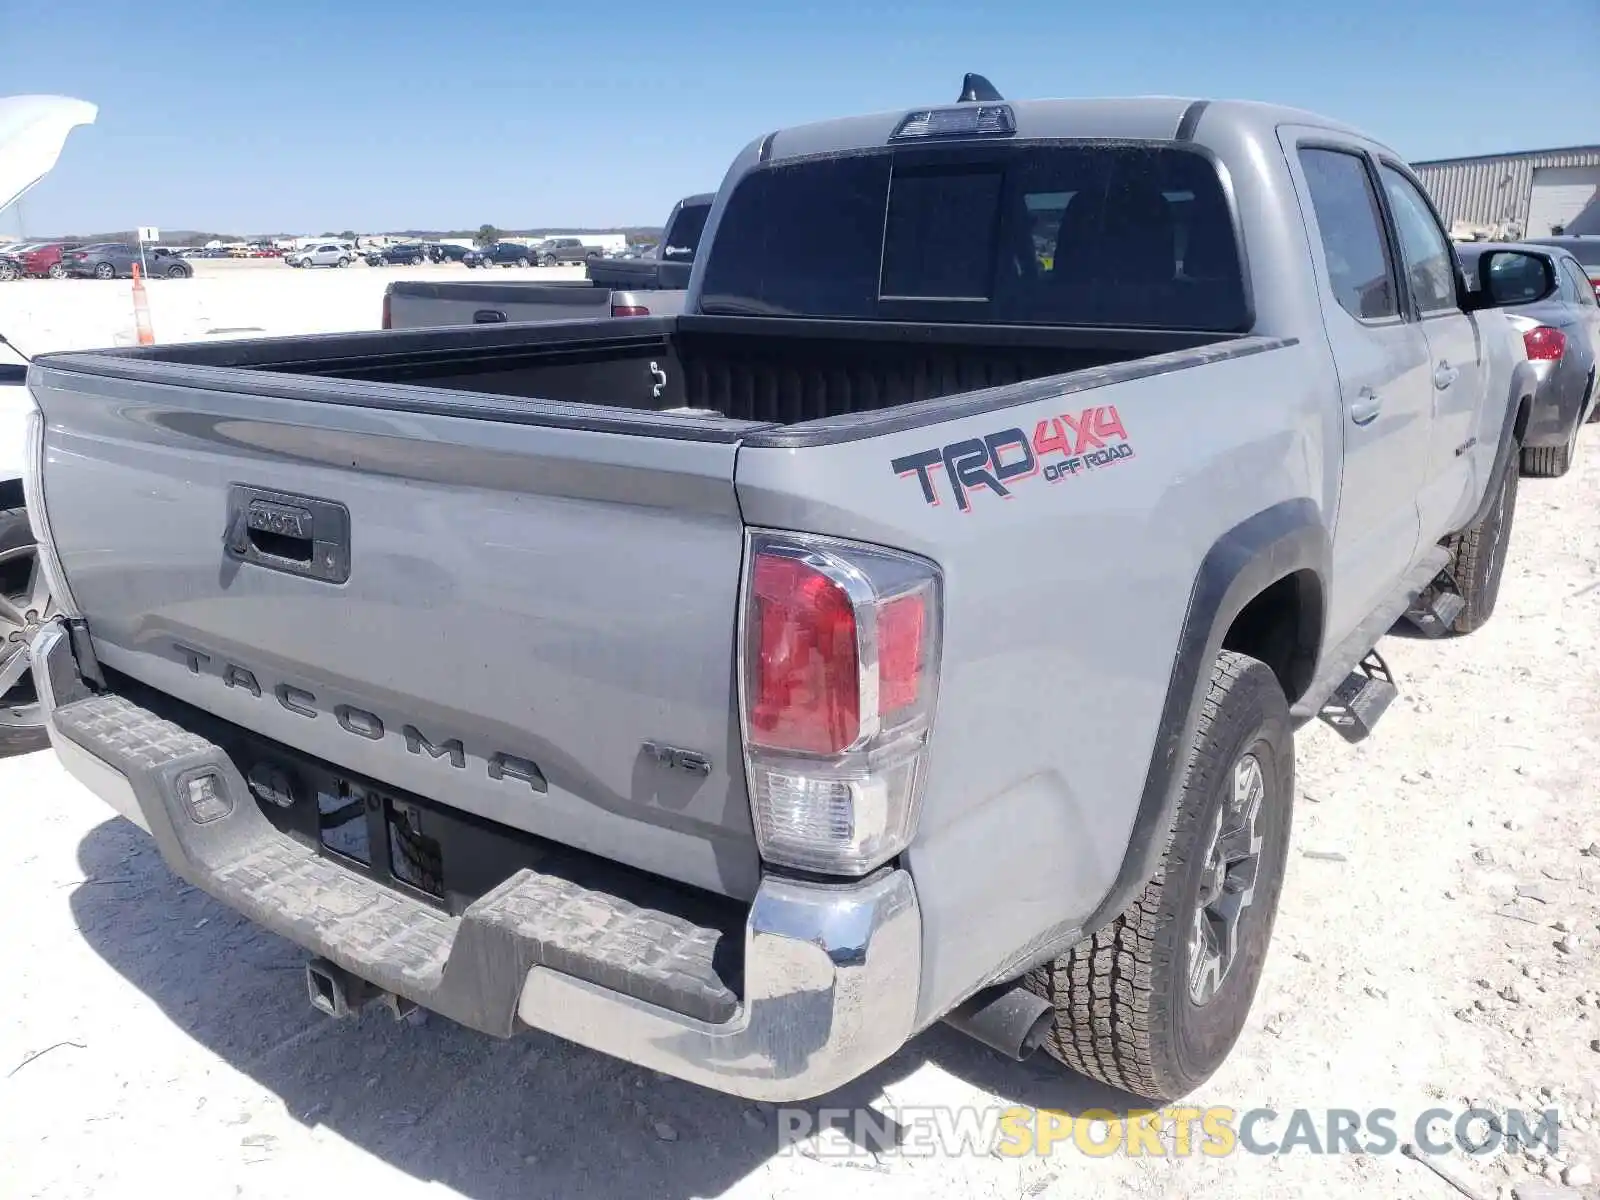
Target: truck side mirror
(1507, 277)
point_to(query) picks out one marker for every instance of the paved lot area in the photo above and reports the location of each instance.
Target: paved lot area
(1436, 945)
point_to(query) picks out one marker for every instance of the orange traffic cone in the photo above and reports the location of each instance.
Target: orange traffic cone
(141, 311)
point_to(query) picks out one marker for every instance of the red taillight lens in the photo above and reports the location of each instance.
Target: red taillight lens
(805, 678)
(629, 310)
(1544, 344)
(901, 623)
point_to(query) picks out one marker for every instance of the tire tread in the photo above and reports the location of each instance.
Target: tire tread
(1111, 1020)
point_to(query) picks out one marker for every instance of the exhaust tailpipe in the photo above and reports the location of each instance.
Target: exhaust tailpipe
(1007, 1017)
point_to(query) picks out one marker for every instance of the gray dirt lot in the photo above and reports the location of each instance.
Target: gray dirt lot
(192, 1065)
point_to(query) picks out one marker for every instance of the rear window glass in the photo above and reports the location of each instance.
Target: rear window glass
(1588, 253)
(683, 239)
(1122, 235)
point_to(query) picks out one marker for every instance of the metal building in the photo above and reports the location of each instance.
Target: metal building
(1518, 195)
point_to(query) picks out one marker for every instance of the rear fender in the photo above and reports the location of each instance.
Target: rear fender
(1524, 384)
(1244, 562)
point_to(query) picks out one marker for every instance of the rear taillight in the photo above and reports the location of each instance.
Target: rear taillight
(388, 311)
(1544, 344)
(629, 310)
(839, 676)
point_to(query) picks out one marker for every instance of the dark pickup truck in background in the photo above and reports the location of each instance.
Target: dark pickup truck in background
(669, 266)
(554, 251)
(423, 304)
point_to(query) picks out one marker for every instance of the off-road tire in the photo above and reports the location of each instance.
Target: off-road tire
(1124, 1014)
(1478, 553)
(21, 723)
(1547, 462)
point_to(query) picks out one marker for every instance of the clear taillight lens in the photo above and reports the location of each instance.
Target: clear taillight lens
(839, 677)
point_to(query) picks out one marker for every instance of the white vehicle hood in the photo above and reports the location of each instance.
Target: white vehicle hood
(32, 131)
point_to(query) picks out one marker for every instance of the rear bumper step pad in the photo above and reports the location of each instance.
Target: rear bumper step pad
(469, 968)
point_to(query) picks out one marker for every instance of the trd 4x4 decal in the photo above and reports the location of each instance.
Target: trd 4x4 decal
(1060, 447)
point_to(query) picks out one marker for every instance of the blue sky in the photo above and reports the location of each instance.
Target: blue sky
(301, 117)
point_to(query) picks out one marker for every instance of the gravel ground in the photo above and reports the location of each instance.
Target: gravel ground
(1436, 945)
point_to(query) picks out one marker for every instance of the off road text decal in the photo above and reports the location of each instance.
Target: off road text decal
(1059, 448)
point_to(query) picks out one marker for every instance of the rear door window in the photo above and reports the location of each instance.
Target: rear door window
(1135, 236)
(1351, 227)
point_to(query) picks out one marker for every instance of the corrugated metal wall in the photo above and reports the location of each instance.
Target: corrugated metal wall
(1486, 191)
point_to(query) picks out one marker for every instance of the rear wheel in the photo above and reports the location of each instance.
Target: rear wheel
(57, 271)
(25, 602)
(417, 261)
(549, 260)
(1153, 1003)
(523, 262)
(105, 271)
(1478, 554)
(8, 272)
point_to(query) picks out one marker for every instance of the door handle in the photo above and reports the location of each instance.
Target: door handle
(1444, 375)
(1366, 408)
(489, 316)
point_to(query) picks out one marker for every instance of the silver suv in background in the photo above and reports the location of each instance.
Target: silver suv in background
(327, 254)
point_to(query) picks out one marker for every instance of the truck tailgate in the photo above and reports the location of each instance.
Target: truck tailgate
(420, 304)
(520, 620)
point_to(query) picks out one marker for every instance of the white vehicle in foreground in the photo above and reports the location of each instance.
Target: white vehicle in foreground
(33, 130)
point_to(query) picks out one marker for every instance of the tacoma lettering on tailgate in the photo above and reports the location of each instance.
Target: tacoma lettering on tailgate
(1060, 447)
(358, 722)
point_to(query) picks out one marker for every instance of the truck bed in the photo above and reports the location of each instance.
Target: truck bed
(767, 370)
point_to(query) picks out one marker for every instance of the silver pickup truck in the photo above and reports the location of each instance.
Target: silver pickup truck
(914, 629)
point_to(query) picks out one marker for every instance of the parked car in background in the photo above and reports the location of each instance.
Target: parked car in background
(44, 259)
(669, 266)
(501, 254)
(409, 253)
(449, 252)
(10, 268)
(1561, 333)
(116, 260)
(325, 254)
(426, 304)
(1583, 247)
(552, 251)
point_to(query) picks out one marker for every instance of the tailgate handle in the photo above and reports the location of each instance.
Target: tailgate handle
(298, 535)
(489, 316)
